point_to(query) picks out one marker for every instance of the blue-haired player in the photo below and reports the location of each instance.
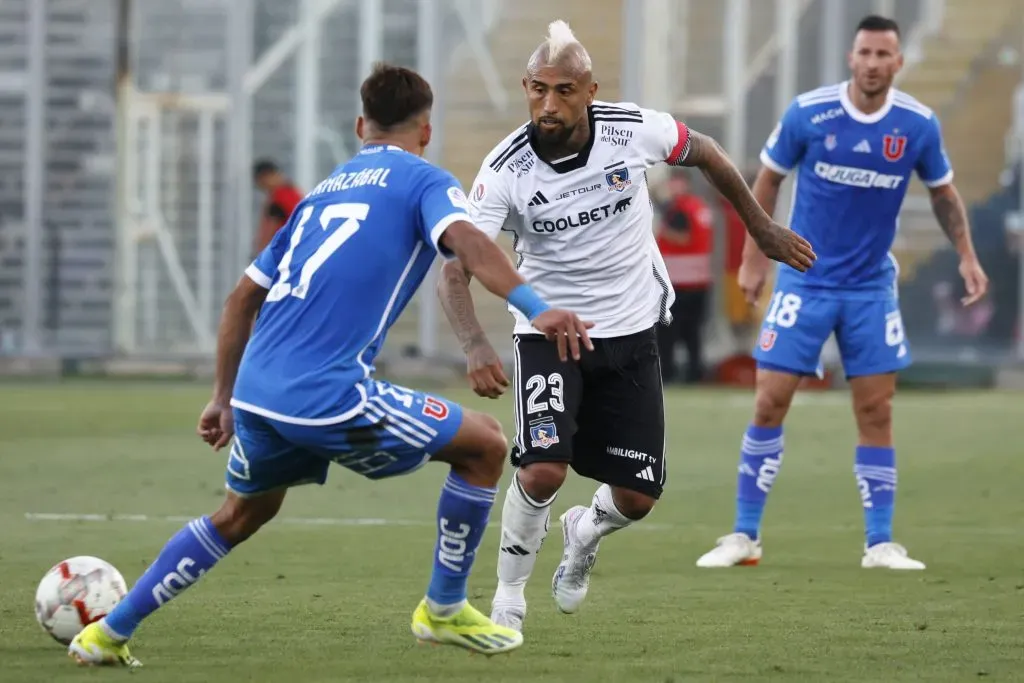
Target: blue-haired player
(301, 390)
(854, 147)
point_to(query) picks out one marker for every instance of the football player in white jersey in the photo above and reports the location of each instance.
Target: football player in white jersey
(572, 183)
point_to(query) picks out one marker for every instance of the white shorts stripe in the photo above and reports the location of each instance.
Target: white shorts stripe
(394, 419)
(401, 431)
(405, 437)
(422, 426)
(517, 391)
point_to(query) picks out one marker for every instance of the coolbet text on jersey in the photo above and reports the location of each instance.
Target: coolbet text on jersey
(852, 172)
(339, 274)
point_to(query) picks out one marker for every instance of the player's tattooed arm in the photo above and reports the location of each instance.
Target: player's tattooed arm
(483, 365)
(457, 302)
(707, 155)
(951, 213)
(952, 216)
(774, 241)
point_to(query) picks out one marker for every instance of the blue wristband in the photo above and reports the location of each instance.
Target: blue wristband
(527, 302)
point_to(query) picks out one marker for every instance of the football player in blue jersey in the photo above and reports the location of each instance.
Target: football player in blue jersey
(300, 393)
(854, 147)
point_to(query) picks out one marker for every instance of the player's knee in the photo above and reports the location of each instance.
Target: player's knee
(482, 456)
(874, 417)
(632, 504)
(770, 408)
(494, 445)
(541, 480)
(239, 518)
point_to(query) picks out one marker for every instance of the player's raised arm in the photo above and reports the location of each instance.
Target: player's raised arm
(487, 262)
(488, 209)
(444, 212)
(483, 365)
(775, 241)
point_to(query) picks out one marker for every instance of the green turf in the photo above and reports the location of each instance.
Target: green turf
(305, 602)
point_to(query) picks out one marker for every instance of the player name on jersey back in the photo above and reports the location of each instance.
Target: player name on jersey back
(583, 226)
(354, 179)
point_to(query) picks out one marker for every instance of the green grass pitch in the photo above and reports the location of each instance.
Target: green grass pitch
(319, 597)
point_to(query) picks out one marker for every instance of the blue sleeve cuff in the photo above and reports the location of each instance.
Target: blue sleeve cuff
(526, 301)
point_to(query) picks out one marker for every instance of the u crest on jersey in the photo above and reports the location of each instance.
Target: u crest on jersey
(893, 147)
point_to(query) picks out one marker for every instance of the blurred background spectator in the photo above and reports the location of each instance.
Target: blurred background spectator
(686, 239)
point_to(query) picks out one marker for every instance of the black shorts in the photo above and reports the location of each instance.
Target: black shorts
(604, 415)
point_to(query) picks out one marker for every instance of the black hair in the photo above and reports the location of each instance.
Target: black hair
(392, 95)
(875, 22)
(264, 166)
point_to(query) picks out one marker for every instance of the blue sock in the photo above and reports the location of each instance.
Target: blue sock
(760, 461)
(875, 468)
(462, 514)
(187, 556)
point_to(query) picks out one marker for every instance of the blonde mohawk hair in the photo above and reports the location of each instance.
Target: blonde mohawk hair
(561, 48)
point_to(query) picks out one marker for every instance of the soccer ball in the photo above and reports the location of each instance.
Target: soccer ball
(75, 593)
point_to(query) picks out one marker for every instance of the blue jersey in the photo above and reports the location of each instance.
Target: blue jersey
(339, 274)
(853, 170)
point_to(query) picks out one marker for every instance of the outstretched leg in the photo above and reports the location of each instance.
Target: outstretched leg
(190, 554)
(261, 466)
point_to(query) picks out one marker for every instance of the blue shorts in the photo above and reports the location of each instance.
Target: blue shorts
(800, 319)
(396, 432)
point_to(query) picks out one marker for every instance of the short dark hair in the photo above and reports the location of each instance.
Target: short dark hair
(264, 166)
(875, 22)
(392, 95)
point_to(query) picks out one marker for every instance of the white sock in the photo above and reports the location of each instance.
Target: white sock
(444, 611)
(524, 524)
(602, 519)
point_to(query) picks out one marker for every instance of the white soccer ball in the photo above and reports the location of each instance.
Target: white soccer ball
(75, 593)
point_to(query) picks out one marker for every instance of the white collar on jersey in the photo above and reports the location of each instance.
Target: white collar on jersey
(856, 114)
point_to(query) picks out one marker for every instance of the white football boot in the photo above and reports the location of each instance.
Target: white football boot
(736, 549)
(572, 578)
(509, 616)
(888, 556)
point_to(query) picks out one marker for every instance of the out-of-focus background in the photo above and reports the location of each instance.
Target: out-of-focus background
(127, 203)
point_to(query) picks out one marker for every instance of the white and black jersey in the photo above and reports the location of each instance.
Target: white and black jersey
(583, 224)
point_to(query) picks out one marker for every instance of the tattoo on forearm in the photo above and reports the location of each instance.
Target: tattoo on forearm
(457, 301)
(951, 214)
(706, 155)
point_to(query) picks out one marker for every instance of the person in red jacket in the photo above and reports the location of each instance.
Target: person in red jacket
(685, 239)
(281, 199)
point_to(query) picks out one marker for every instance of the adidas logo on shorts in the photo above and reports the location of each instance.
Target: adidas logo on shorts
(647, 474)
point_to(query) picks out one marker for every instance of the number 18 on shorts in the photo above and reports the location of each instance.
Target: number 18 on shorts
(869, 332)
